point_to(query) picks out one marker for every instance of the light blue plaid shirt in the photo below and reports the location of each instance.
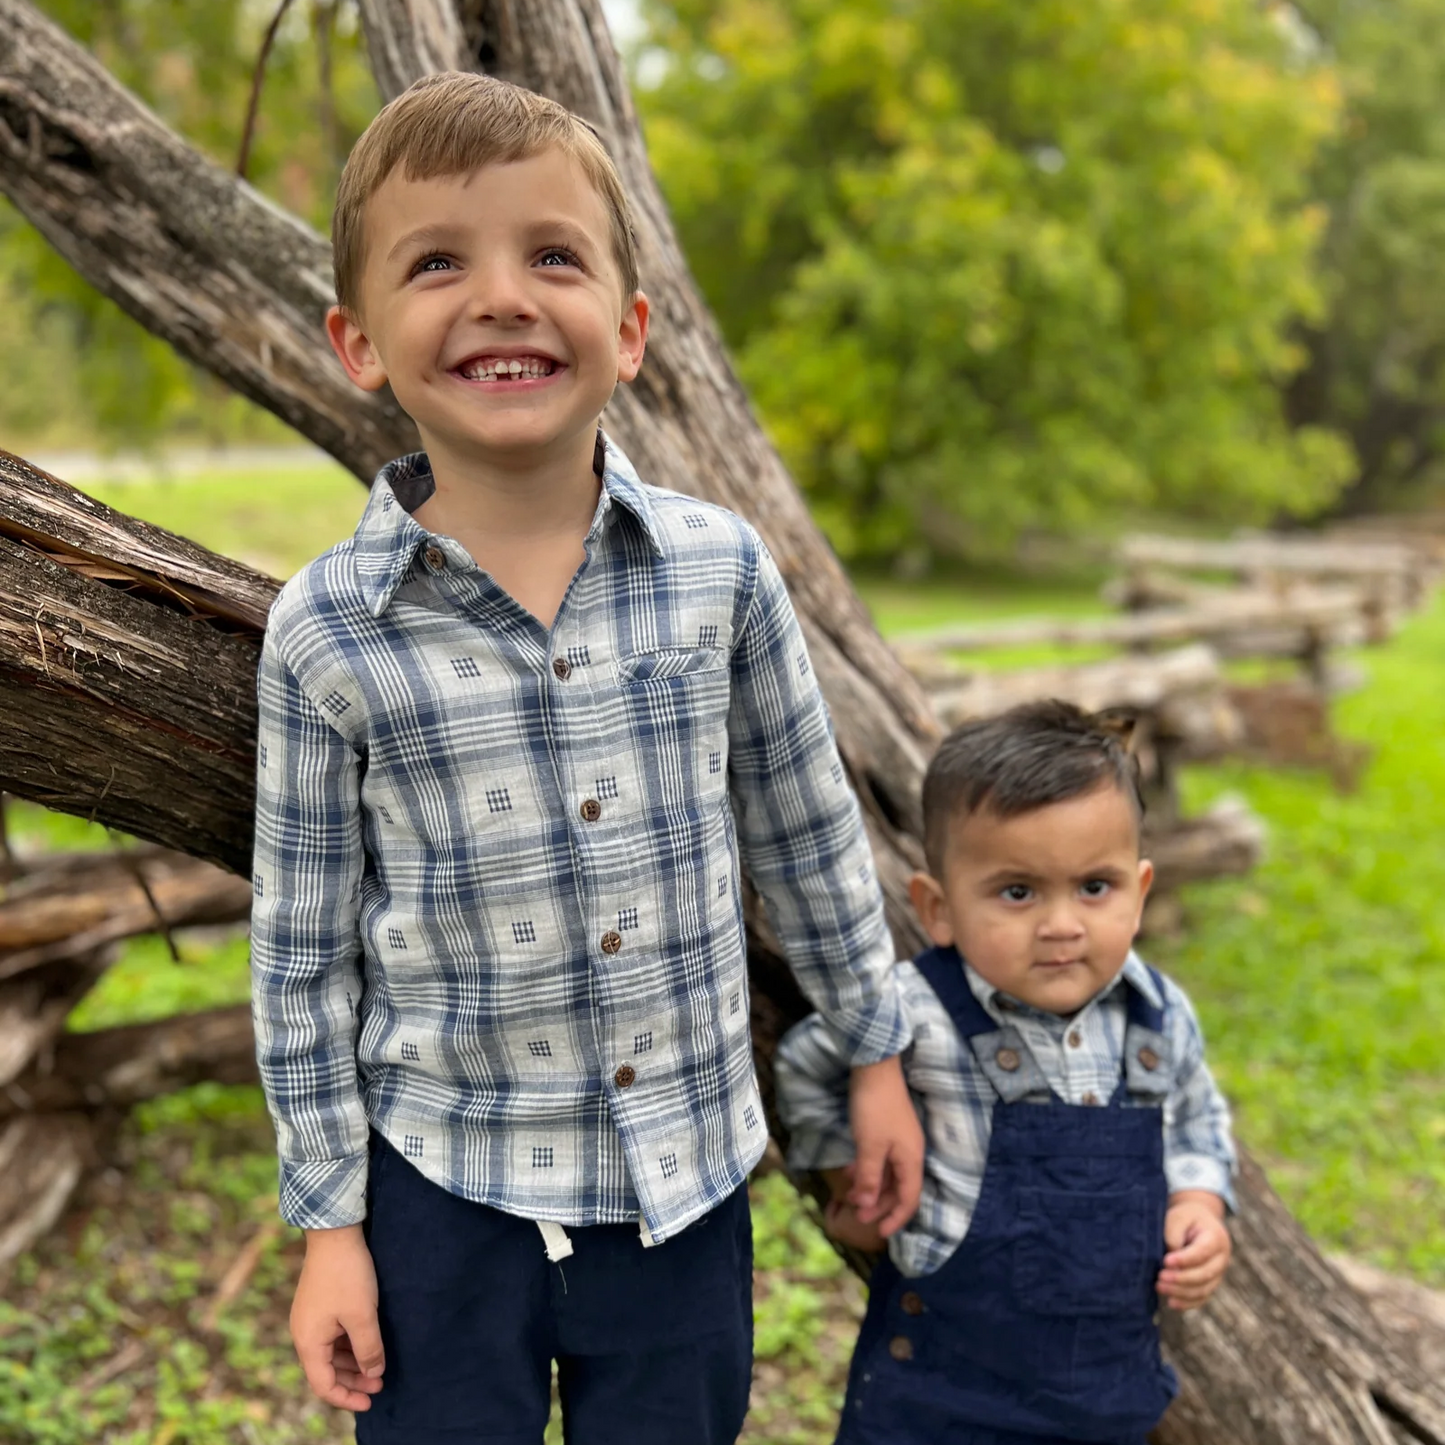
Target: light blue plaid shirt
(497, 906)
(1080, 1058)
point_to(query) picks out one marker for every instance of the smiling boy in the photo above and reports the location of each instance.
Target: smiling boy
(514, 737)
(1078, 1153)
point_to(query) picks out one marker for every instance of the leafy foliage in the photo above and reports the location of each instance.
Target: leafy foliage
(1377, 367)
(990, 267)
(88, 370)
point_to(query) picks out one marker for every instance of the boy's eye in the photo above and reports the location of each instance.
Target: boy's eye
(1017, 893)
(557, 256)
(431, 263)
(1095, 888)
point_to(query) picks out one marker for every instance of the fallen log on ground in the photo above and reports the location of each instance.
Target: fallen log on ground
(1313, 1365)
(117, 1068)
(1236, 623)
(49, 915)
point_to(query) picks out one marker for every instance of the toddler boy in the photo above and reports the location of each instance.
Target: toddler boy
(514, 735)
(1078, 1153)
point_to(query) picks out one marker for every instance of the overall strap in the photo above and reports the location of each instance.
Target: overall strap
(1002, 1055)
(1148, 1063)
(943, 969)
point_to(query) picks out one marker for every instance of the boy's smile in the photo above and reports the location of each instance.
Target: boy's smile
(493, 305)
(1044, 905)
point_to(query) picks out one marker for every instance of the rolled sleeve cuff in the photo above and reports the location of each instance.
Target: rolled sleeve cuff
(870, 1035)
(819, 1149)
(324, 1193)
(1201, 1171)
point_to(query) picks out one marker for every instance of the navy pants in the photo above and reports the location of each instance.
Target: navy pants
(653, 1346)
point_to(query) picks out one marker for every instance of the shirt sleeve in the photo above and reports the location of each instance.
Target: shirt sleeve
(306, 951)
(810, 1076)
(1198, 1142)
(801, 833)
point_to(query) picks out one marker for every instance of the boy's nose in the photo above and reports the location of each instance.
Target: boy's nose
(1061, 922)
(500, 296)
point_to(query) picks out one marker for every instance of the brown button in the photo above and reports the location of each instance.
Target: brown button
(562, 668)
(624, 1077)
(436, 559)
(912, 1304)
(1007, 1060)
(611, 941)
(1075, 1038)
(1149, 1059)
(591, 810)
(1091, 1097)
(900, 1347)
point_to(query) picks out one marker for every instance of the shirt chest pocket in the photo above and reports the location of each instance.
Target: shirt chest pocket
(676, 700)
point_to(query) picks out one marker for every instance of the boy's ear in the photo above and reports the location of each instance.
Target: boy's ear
(631, 337)
(1146, 882)
(354, 350)
(931, 906)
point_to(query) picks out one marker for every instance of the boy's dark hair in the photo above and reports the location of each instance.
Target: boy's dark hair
(1033, 755)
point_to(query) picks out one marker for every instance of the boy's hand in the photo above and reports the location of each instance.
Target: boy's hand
(840, 1219)
(333, 1319)
(888, 1172)
(1199, 1249)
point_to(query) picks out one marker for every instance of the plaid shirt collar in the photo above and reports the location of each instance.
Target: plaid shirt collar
(388, 537)
(1135, 973)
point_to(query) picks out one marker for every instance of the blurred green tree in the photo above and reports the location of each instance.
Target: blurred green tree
(1377, 355)
(87, 371)
(991, 267)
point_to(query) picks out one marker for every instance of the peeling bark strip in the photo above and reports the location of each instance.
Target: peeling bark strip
(194, 254)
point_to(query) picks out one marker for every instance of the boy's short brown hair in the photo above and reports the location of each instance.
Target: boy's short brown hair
(450, 124)
(1033, 755)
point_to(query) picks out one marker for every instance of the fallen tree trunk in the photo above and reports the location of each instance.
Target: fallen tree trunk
(116, 1068)
(46, 918)
(73, 151)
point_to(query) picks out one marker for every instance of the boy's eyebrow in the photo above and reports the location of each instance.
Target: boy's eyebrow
(423, 235)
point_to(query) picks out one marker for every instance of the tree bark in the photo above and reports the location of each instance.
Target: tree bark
(1287, 1355)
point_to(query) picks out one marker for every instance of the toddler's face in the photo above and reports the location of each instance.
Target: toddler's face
(493, 305)
(1045, 905)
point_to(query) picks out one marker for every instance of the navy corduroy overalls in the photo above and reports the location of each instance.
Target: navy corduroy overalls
(1040, 1328)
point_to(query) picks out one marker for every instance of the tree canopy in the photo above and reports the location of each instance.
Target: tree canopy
(989, 267)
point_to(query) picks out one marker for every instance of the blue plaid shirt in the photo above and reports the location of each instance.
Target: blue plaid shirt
(1079, 1058)
(497, 905)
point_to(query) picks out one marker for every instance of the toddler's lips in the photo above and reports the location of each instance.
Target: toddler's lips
(1059, 963)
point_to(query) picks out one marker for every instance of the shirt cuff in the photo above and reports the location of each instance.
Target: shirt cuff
(870, 1035)
(824, 1148)
(1201, 1171)
(324, 1193)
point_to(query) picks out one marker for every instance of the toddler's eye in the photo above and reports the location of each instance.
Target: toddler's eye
(431, 263)
(1017, 893)
(1095, 888)
(557, 256)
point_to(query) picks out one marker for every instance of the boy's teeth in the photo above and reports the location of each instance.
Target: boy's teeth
(499, 368)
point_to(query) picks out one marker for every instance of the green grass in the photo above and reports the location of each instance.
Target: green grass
(275, 520)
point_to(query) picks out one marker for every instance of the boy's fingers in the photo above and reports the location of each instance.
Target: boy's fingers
(867, 1183)
(363, 1334)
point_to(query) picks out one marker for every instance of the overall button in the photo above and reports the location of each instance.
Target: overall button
(1007, 1060)
(562, 668)
(625, 1076)
(901, 1348)
(911, 1303)
(1090, 1098)
(1075, 1038)
(436, 559)
(591, 810)
(611, 941)
(1149, 1059)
